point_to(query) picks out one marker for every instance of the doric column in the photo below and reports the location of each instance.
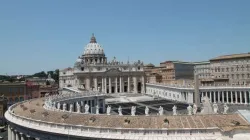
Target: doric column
(214, 97)
(135, 84)
(128, 84)
(232, 101)
(121, 89)
(236, 97)
(17, 135)
(222, 96)
(110, 91)
(95, 84)
(227, 97)
(103, 85)
(13, 135)
(240, 97)
(22, 136)
(245, 97)
(9, 132)
(28, 137)
(116, 87)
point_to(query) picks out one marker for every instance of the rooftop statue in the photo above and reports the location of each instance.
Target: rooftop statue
(64, 106)
(120, 111)
(133, 110)
(195, 109)
(206, 106)
(86, 107)
(161, 111)
(97, 109)
(58, 106)
(71, 108)
(215, 106)
(225, 109)
(189, 109)
(108, 110)
(146, 111)
(174, 110)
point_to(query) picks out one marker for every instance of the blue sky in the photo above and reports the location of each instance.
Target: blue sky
(50, 34)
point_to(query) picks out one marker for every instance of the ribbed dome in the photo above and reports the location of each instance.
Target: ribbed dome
(93, 47)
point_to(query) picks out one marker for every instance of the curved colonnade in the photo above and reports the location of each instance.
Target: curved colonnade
(216, 94)
(40, 119)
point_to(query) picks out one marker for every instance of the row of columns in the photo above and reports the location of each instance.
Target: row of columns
(224, 98)
(121, 84)
(15, 135)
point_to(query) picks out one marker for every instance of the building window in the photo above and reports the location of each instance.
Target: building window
(232, 76)
(139, 68)
(227, 69)
(82, 68)
(243, 76)
(232, 69)
(64, 81)
(237, 76)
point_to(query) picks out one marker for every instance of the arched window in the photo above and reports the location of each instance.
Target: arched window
(16, 99)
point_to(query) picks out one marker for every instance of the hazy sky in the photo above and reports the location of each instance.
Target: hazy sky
(49, 34)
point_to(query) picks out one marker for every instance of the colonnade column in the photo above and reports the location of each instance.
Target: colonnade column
(17, 135)
(240, 97)
(13, 135)
(116, 87)
(22, 136)
(227, 97)
(210, 96)
(110, 91)
(87, 83)
(206, 94)
(9, 132)
(245, 97)
(128, 84)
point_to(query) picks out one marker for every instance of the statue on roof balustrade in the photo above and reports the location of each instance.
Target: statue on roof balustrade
(225, 109)
(64, 106)
(195, 109)
(189, 109)
(108, 110)
(97, 109)
(161, 110)
(215, 106)
(86, 109)
(146, 111)
(58, 106)
(120, 111)
(133, 110)
(174, 110)
(71, 108)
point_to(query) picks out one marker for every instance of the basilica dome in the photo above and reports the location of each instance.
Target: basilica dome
(93, 47)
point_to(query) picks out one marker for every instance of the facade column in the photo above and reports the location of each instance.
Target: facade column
(210, 96)
(214, 97)
(121, 89)
(206, 94)
(28, 137)
(227, 97)
(135, 84)
(95, 84)
(240, 97)
(105, 85)
(128, 84)
(116, 87)
(236, 97)
(110, 91)
(245, 97)
(222, 96)
(13, 135)
(87, 83)
(143, 84)
(231, 97)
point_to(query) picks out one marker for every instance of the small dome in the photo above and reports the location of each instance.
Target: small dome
(79, 60)
(93, 47)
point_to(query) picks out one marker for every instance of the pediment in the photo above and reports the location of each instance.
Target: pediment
(113, 70)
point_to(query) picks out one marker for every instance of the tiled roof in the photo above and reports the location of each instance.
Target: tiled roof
(232, 56)
(154, 122)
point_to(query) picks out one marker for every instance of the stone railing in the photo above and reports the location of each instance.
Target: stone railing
(51, 100)
(104, 132)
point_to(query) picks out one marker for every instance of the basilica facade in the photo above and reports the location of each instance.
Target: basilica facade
(92, 71)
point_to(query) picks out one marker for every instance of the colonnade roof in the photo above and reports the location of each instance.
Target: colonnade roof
(223, 122)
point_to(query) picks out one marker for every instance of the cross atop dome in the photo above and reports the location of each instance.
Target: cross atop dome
(93, 39)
